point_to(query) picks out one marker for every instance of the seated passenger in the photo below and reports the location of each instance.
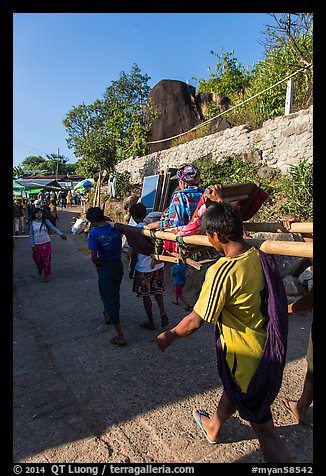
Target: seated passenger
(184, 200)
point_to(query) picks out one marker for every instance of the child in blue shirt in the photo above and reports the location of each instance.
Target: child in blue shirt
(178, 272)
(105, 244)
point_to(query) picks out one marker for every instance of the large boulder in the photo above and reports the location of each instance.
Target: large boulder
(180, 110)
(175, 102)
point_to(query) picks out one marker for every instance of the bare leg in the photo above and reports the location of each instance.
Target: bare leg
(224, 411)
(148, 308)
(272, 447)
(120, 337)
(160, 302)
(299, 408)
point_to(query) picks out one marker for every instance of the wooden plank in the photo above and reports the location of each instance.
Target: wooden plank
(171, 259)
(158, 193)
(208, 260)
(231, 190)
(164, 194)
(193, 263)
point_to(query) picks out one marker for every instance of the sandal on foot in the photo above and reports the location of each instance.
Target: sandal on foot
(114, 341)
(164, 321)
(286, 403)
(148, 325)
(107, 318)
(197, 418)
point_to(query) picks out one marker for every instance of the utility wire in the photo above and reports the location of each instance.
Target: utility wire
(233, 107)
(22, 145)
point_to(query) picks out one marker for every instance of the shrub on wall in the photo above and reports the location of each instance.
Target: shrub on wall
(297, 188)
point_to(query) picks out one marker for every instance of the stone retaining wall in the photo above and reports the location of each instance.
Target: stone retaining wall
(279, 143)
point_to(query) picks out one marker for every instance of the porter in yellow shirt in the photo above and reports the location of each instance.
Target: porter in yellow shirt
(231, 298)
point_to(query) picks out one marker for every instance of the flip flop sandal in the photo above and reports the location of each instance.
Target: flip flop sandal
(115, 342)
(197, 418)
(146, 325)
(285, 402)
(164, 321)
(107, 318)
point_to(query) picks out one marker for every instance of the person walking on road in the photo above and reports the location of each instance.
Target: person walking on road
(299, 408)
(244, 297)
(178, 272)
(54, 217)
(147, 279)
(41, 241)
(105, 244)
(19, 217)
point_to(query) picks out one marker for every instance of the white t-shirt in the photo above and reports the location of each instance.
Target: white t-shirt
(144, 262)
(38, 234)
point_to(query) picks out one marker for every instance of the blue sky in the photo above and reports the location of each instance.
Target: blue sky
(61, 60)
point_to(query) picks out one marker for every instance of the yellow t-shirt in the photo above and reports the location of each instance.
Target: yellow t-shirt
(231, 298)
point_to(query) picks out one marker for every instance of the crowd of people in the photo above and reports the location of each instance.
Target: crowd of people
(242, 297)
(49, 201)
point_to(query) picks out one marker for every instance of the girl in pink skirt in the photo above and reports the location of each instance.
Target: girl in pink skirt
(41, 242)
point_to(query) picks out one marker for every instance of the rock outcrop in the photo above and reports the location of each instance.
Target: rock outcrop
(180, 109)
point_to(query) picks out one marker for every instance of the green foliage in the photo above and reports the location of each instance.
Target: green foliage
(297, 189)
(289, 47)
(114, 128)
(34, 162)
(17, 171)
(56, 164)
(50, 165)
(233, 170)
(124, 186)
(87, 135)
(228, 78)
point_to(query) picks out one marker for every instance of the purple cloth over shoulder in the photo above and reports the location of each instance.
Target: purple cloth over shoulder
(254, 405)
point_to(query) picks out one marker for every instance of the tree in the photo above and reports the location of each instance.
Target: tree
(52, 164)
(34, 163)
(293, 31)
(229, 76)
(229, 79)
(17, 171)
(113, 128)
(56, 164)
(288, 48)
(289, 42)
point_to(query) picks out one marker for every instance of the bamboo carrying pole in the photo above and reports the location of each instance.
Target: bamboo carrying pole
(275, 247)
(296, 227)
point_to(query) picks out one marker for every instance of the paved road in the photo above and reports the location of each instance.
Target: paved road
(78, 398)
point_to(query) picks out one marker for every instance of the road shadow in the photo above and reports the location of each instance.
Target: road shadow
(71, 383)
